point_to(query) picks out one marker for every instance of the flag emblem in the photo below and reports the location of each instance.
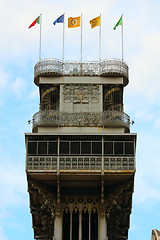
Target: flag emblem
(120, 22)
(74, 22)
(59, 20)
(95, 22)
(37, 20)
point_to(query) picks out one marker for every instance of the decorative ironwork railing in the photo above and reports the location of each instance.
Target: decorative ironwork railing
(55, 118)
(57, 67)
(80, 163)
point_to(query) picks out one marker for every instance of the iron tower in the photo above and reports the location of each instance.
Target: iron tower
(80, 156)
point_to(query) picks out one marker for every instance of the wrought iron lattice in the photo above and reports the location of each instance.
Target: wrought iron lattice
(49, 97)
(56, 118)
(80, 163)
(81, 93)
(113, 97)
(72, 68)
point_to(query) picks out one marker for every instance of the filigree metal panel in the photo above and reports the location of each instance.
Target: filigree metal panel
(71, 68)
(42, 163)
(81, 93)
(107, 119)
(80, 163)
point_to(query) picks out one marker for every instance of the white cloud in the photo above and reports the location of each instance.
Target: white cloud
(18, 86)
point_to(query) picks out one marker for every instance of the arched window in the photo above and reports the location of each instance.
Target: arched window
(66, 224)
(94, 224)
(85, 224)
(75, 224)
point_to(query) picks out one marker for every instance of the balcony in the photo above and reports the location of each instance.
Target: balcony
(104, 68)
(51, 118)
(80, 163)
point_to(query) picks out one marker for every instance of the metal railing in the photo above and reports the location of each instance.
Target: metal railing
(57, 67)
(53, 118)
(95, 163)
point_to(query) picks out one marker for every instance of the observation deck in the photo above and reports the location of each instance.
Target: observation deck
(51, 118)
(58, 68)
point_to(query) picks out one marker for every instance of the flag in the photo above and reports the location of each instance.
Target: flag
(95, 22)
(118, 23)
(37, 20)
(59, 20)
(74, 22)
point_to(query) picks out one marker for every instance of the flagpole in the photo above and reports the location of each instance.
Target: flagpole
(40, 42)
(63, 40)
(122, 37)
(100, 40)
(81, 38)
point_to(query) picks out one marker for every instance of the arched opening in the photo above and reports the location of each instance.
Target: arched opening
(75, 224)
(85, 224)
(94, 224)
(66, 224)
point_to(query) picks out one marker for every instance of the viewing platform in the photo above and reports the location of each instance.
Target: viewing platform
(51, 118)
(57, 68)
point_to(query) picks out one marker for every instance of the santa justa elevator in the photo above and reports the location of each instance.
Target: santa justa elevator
(80, 156)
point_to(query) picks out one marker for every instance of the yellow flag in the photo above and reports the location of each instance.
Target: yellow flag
(74, 22)
(95, 22)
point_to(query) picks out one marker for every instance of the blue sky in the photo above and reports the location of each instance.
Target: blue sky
(19, 98)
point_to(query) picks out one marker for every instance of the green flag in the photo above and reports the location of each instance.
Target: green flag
(118, 23)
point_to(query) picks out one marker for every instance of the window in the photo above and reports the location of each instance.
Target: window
(118, 148)
(129, 148)
(85, 147)
(75, 147)
(96, 148)
(108, 148)
(64, 148)
(32, 148)
(42, 148)
(52, 148)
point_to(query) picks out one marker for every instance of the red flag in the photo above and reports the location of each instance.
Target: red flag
(37, 20)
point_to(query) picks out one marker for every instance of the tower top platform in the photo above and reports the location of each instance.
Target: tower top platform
(52, 67)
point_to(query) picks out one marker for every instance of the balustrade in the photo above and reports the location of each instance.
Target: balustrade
(57, 67)
(75, 163)
(53, 118)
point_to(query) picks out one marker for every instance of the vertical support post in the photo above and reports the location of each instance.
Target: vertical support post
(80, 224)
(58, 228)
(58, 196)
(102, 155)
(58, 217)
(102, 226)
(89, 212)
(58, 156)
(71, 212)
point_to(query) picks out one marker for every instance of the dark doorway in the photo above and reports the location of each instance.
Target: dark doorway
(75, 224)
(66, 224)
(94, 224)
(85, 224)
